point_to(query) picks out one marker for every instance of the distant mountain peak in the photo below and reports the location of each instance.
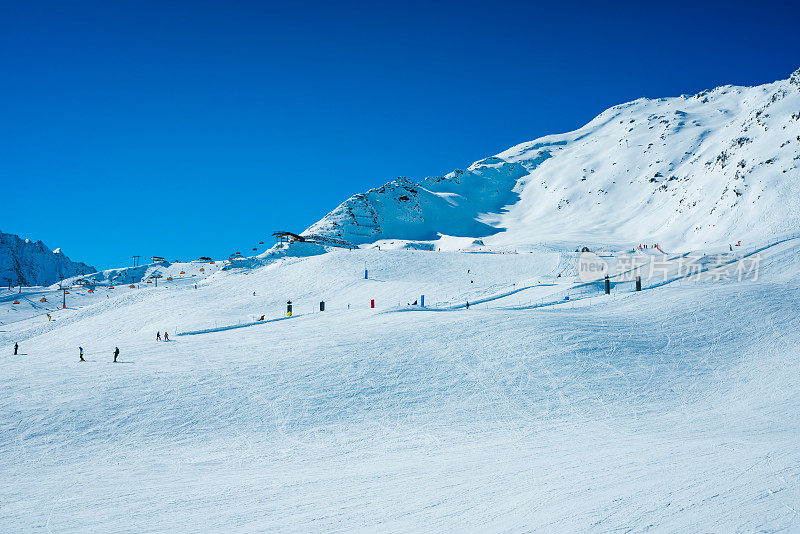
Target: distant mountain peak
(26, 262)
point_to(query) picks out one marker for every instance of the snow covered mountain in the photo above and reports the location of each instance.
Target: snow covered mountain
(29, 263)
(719, 166)
(417, 391)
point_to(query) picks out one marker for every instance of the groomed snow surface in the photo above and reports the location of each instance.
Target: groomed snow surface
(673, 409)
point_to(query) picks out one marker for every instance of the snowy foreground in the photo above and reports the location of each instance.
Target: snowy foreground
(674, 409)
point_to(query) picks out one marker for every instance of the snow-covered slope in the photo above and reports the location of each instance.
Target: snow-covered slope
(543, 406)
(673, 409)
(719, 166)
(29, 263)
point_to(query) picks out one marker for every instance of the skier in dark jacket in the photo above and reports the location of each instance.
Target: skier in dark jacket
(16, 348)
(467, 304)
(116, 353)
(81, 354)
(158, 336)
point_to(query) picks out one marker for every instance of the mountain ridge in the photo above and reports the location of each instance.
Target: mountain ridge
(690, 170)
(28, 263)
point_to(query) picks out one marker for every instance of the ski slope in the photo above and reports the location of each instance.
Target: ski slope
(671, 409)
(546, 405)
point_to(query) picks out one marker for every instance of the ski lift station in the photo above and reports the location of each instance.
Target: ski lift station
(287, 237)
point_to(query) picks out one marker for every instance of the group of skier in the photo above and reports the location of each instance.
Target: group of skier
(116, 354)
(80, 352)
(116, 349)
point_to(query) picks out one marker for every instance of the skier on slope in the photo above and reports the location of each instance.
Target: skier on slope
(467, 304)
(16, 348)
(116, 353)
(81, 354)
(158, 336)
(166, 336)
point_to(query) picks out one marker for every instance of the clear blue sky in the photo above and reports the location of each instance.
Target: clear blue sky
(197, 128)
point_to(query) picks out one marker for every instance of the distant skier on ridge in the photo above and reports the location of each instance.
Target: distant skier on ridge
(116, 353)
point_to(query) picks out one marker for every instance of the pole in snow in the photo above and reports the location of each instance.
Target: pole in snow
(422, 301)
(638, 283)
(608, 285)
(322, 305)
